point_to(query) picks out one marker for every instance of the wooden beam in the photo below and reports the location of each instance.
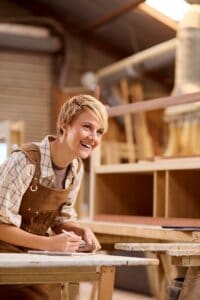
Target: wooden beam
(144, 60)
(153, 104)
(158, 16)
(111, 16)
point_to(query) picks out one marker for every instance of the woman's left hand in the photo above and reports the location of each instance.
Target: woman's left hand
(90, 239)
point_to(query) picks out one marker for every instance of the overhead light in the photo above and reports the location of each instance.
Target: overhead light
(174, 9)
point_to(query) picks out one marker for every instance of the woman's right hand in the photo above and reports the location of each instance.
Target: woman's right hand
(64, 243)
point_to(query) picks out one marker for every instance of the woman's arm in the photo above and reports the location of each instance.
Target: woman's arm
(17, 236)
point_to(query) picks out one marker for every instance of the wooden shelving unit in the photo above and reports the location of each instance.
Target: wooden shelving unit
(163, 188)
(148, 192)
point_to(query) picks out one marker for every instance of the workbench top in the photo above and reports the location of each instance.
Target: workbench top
(18, 260)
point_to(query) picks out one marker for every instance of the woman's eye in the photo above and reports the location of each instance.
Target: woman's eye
(100, 132)
(86, 126)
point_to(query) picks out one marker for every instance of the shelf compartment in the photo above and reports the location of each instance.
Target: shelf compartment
(183, 194)
(124, 194)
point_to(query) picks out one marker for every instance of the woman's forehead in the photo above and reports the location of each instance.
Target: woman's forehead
(88, 116)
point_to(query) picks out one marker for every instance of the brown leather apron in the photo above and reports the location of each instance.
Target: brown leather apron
(39, 207)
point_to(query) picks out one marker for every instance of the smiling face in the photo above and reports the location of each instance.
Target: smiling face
(83, 134)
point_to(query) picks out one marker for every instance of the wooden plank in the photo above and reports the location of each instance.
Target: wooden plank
(190, 251)
(187, 259)
(111, 16)
(158, 16)
(161, 247)
(16, 260)
(133, 230)
(190, 224)
(113, 239)
(148, 55)
(27, 30)
(153, 104)
(48, 275)
(187, 163)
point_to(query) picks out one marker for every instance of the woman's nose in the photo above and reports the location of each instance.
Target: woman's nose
(94, 136)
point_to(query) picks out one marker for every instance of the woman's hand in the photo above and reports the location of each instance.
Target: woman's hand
(92, 244)
(90, 239)
(63, 242)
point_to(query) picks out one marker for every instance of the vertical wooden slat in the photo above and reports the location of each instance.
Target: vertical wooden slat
(127, 121)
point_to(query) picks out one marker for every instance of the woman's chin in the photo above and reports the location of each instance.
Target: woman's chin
(84, 154)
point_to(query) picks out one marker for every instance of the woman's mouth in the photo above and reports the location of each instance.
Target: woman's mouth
(85, 145)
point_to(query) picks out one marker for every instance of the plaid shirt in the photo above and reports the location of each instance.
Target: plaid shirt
(16, 175)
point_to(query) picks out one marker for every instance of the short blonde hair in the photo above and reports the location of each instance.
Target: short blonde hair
(77, 104)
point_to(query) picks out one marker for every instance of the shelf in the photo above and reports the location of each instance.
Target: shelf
(142, 220)
(151, 166)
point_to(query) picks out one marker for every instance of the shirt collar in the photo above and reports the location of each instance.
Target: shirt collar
(46, 162)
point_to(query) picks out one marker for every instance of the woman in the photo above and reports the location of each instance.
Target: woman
(38, 187)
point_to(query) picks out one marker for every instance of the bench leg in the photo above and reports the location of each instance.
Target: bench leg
(161, 283)
(191, 285)
(106, 283)
(94, 291)
(71, 291)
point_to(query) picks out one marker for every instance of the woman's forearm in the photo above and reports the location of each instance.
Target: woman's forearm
(17, 236)
(69, 226)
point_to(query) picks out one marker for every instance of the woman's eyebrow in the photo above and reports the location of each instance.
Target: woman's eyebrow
(93, 125)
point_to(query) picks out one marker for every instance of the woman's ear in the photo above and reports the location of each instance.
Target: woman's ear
(63, 128)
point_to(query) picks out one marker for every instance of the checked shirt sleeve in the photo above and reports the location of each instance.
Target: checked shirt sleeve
(15, 177)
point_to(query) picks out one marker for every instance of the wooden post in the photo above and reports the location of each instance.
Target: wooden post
(173, 145)
(127, 121)
(73, 289)
(143, 139)
(191, 290)
(106, 283)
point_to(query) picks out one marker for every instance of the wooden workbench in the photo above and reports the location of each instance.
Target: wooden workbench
(121, 232)
(182, 255)
(34, 268)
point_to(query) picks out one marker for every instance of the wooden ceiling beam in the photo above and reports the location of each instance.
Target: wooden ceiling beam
(111, 16)
(40, 10)
(158, 16)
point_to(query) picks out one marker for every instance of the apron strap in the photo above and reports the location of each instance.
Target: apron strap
(32, 152)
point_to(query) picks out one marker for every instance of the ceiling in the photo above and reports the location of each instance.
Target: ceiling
(124, 27)
(120, 28)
